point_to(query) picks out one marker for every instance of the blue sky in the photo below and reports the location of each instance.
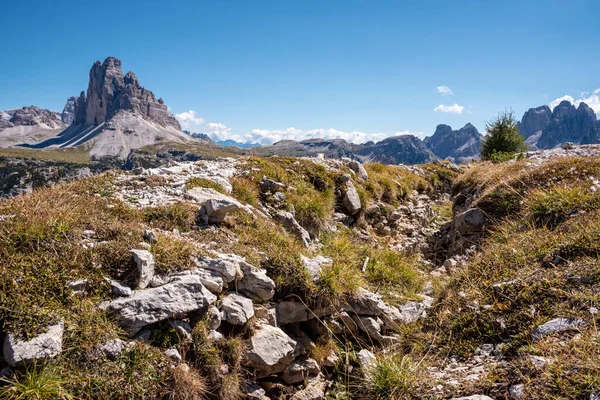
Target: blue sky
(269, 70)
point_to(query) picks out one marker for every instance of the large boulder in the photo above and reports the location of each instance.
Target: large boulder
(214, 206)
(182, 295)
(41, 347)
(270, 350)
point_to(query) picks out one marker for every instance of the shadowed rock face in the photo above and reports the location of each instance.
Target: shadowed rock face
(462, 143)
(570, 124)
(535, 120)
(68, 114)
(109, 91)
(404, 149)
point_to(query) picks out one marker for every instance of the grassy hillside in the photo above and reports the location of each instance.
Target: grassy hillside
(538, 261)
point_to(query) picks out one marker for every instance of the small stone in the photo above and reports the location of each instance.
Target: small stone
(112, 348)
(253, 391)
(78, 286)
(516, 391)
(174, 355)
(150, 236)
(331, 360)
(213, 318)
(299, 370)
(182, 328)
(119, 289)
(214, 336)
(269, 350)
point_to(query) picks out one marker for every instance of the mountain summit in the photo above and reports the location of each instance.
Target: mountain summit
(461, 144)
(116, 116)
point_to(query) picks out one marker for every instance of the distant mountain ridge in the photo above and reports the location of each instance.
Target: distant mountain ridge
(545, 129)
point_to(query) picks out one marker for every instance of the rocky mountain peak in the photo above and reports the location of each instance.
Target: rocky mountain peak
(68, 114)
(459, 144)
(131, 79)
(32, 115)
(535, 120)
(110, 91)
(570, 124)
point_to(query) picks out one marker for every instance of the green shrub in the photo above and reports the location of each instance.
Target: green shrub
(503, 139)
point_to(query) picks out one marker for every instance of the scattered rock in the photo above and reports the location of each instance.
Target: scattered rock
(269, 185)
(44, 346)
(238, 309)
(473, 397)
(314, 390)
(174, 355)
(359, 169)
(299, 370)
(557, 325)
(214, 206)
(150, 236)
(78, 286)
(470, 221)
(516, 391)
(253, 391)
(291, 225)
(270, 350)
(144, 260)
(119, 289)
(113, 348)
(314, 265)
(226, 268)
(182, 295)
(213, 318)
(351, 199)
(255, 283)
(183, 329)
(367, 362)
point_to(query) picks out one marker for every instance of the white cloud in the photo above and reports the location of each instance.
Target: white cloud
(557, 101)
(454, 108)
(444, 90)
(592, 100)
(189, 120)
(219, 131)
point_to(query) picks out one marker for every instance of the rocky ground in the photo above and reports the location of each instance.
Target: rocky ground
(295, 278)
